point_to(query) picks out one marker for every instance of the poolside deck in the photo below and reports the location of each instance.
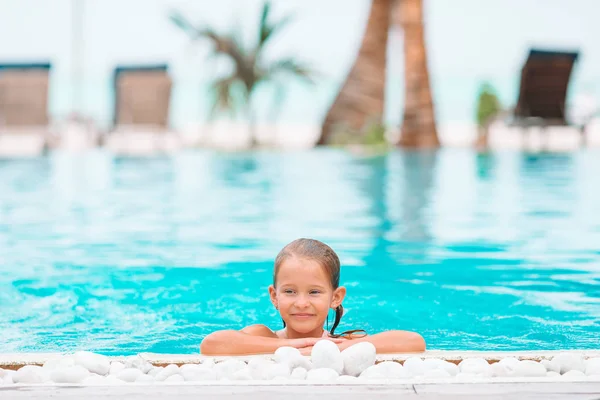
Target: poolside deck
(515, 390)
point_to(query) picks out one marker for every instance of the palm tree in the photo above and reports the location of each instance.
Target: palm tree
(250, 71)
(418, 123)
(361, 99)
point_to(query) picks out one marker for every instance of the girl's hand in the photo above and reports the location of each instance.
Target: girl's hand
(310, 342)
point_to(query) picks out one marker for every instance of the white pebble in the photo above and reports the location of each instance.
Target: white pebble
(189, 367)
(155, 370)
(569, 362)
(284, 353)
(113, 380)
(30, 374)
(242, 375)
(551, 365)
(129, 374)
(144, 378)
(529, 368)
(96, 363)
(258, 367)
(59, 362)
(573, 374)
(299, 373)
(168, 371)
(437, 373)
(436, 363)
(498, 370)
(74, 374)
(477, 366)
(322, 375)
(592, 366)
(116, 367)
(386, 370)
(138, 362)
(175, 378)
(414, 366)
(3, 373)
(209, 363)
(7, 380)
(552, 373)
(358, 357)
(509, 363)
(326, 354)
(226, 369)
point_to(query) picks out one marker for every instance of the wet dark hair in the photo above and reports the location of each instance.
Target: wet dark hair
(312, 249)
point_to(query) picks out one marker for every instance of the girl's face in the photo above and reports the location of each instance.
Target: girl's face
(304, 296)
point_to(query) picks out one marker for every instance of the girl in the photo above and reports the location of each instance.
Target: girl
(305, 286)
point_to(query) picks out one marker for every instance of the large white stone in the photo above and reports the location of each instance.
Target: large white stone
(385, 370)
(3, 372)
(510, 363)
(74, 374)
(59, 362)
(189, 367)
(573, 374)
(569, 362)
(552, 374)
(284, 353)
(436, 363)
(116, 367)
(31, 374)
(169, 370)
(529, 368)
(299, 373)
(437, 373)
(242, 375)
(358, 357)
(129, 374)
(415, 366)
(113, 380)
(139, 363)
(155, 370)
(551, 365)
(477, 366)
(498, 370)
(322, 375)
(96, 363)
(175, 378)
(226, 369)
(592, 366)
(326, 354)
(258, 368)
(144, 378)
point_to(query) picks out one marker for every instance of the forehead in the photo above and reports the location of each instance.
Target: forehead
(295, 269)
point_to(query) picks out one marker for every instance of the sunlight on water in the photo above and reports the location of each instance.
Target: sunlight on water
(124, 255)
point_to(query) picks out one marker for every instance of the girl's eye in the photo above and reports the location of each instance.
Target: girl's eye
(288, 291)
(315, 292)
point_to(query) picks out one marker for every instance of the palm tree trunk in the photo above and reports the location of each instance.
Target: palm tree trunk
(418, 124)
(361, 99)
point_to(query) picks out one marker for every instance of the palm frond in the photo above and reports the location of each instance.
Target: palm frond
(266, 29)
(180, 21)
(292, 67)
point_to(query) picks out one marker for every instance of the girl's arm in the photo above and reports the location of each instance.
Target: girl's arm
(385, 343)
(255, 339)
(391, 342)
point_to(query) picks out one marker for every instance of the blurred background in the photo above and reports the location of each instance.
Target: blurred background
(155, 155)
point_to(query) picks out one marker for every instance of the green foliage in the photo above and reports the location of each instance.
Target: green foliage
(372, 137)
(250, 71)
(488, 104)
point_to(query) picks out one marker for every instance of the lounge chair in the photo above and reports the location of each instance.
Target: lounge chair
(141, 109)
(23, 108)
(543, 90)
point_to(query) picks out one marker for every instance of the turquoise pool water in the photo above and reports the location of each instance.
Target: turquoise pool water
(125, 255)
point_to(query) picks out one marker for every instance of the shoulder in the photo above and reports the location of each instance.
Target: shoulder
(259, 330)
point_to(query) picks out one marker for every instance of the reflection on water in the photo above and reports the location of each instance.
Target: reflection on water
(122, 255)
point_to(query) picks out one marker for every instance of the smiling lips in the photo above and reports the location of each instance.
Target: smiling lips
(303, 315)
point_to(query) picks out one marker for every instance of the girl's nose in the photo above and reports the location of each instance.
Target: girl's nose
(302, 301)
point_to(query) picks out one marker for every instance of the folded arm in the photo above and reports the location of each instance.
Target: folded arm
(391, 342)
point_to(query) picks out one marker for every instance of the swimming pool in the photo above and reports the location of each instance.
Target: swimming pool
(124, 255)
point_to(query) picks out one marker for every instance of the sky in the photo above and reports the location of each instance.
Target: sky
(468, 41)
